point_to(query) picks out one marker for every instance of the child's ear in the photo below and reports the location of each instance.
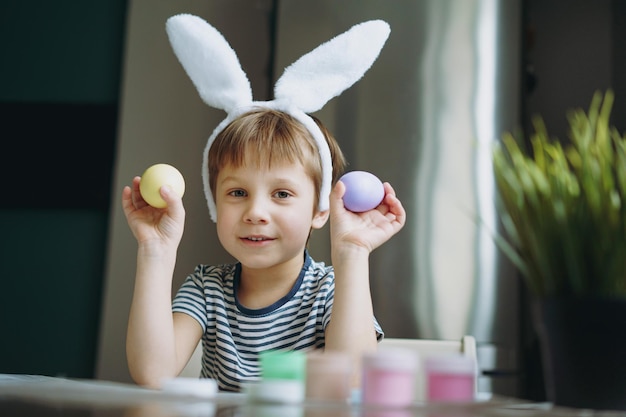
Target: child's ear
(319, 219)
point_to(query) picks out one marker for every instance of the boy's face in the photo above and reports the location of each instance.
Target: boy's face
(264, 216)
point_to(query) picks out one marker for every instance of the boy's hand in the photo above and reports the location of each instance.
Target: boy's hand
(163, 226)
(369, 229)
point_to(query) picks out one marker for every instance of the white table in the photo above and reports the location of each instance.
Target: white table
(34, 395)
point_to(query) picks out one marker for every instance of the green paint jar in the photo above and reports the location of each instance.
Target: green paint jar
(283, 375)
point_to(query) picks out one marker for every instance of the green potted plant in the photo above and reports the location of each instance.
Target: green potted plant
(562, 205)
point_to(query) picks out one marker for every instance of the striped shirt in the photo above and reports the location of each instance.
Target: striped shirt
(233, 335)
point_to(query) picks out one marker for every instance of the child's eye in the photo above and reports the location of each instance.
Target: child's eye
(237, 193)
(282, 194)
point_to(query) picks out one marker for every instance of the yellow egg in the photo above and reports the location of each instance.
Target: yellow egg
(157, 176)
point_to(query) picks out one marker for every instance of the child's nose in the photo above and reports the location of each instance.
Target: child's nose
(256, 211)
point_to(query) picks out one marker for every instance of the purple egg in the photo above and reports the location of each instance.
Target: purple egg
(364, 191)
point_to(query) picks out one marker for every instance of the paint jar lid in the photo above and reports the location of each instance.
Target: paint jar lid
(283, 391)
(392, 358)
(195, 387)
(450, 364)
(283, 364)
(328, 362)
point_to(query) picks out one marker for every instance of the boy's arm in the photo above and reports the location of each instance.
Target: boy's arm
(351, 327)
(353, 237)
(158, 343)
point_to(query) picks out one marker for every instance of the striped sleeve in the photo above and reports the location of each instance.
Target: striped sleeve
(200, 292)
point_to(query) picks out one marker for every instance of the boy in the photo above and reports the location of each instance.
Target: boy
(265, 173)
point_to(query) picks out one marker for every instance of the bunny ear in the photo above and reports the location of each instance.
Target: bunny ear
(209, 61)
(325, 72)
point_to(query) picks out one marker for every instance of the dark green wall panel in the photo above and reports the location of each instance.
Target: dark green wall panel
(59, 90)
(51, 265)
(59, 154)
(63, 50)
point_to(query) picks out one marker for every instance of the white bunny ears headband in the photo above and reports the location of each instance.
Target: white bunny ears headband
(305, 86)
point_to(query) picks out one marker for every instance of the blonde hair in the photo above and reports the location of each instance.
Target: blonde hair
(265, 137)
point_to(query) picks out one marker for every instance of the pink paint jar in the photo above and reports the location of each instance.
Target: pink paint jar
(328, 377)
(389, 378)
(450, 378)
